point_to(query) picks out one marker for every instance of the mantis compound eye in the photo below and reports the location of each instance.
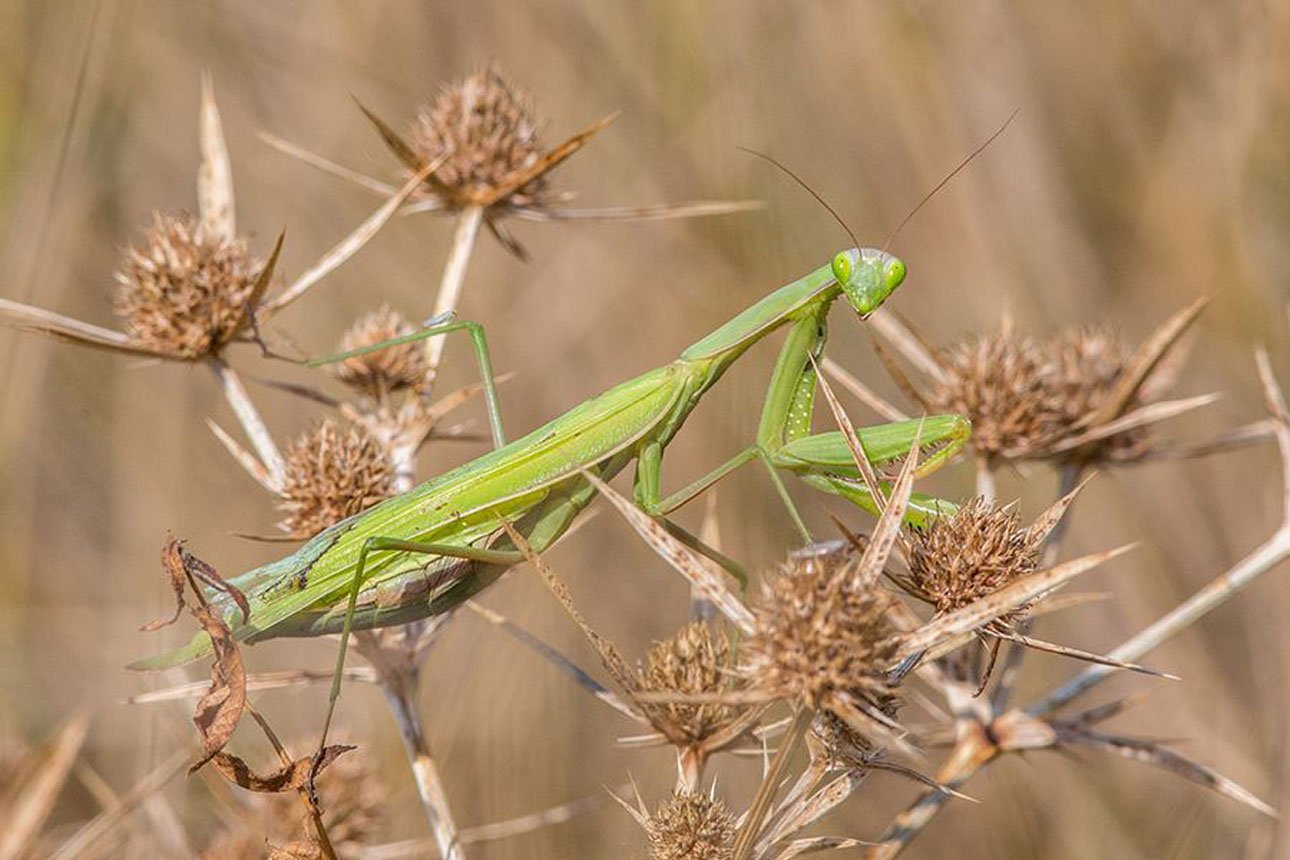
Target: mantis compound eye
(894, 273)
(842, 267)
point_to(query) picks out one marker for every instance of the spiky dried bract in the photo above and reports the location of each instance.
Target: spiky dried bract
(183, 292)
(691, 826)
(332, 473)
(999, 383)
(696, 660)
(959, 559)
(844, 746)
(350, 794)
(820, 633)
(488, 130)
(375, 374)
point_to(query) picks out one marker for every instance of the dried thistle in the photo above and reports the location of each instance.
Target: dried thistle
(1084, 365)
(332, 473)
(824, 640)
(691, 826)
(375, 374)
(486, 131)
(695, 660)
(184, 291)
(958, 559)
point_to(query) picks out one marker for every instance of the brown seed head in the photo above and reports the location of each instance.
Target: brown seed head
(487, 129)
(332, 474)
(959, 559)
(375, 374)
(691, 826)
(695, 660)
(999, 383)
(819, 632)
(183, 292)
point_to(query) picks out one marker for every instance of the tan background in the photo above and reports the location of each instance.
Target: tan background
(1148, 165)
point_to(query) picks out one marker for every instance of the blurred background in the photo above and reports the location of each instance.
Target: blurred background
(1149, 164)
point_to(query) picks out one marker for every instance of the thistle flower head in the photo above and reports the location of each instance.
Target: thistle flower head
(696, 660)
(691, 826)
(375, 374)
(959, 559)
(488, 131)
(821, 634)
(182, 291)
(1084, 365)
(999, 383)
(332, 473)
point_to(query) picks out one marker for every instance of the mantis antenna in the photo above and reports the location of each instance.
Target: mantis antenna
(962, 164)
(800, 181)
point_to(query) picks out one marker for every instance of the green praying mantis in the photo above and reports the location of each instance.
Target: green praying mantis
(424, 552)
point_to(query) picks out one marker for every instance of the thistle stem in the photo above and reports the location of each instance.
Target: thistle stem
(746, 841)
(450, 286)
(249, 417)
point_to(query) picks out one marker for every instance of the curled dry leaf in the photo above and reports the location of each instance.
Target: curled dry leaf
(289, 777)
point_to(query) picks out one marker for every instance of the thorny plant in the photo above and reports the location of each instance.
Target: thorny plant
(190, 288)
(827, 656)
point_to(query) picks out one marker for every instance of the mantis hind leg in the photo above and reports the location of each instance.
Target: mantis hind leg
(388, 544)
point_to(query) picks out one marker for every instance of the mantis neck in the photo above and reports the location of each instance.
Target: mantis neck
(784, 305)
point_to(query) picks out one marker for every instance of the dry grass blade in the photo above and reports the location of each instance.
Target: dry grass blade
(1001, 602)
(899, 335)
(286, 147)
(28, 801)
(215, 201)
(898, 376)
(862, 392)
(262, 282)
(557, 659)
(656, 212)
(1248, 434)
(814, 806)
(1144, 360)
(548, 162)
(609, 656)
(701, 577)
(347, 247)
(40, 321)
(1153, 754)
(105, 822)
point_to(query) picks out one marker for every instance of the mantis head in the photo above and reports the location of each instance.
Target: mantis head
(867, 277)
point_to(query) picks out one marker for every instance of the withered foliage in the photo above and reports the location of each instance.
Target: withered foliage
(332, 473)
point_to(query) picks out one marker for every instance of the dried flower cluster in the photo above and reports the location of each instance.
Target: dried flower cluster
(487, 130)
(696, 660)
(822, 637)
(376, 374)
(184, 292)
(332, 473)
(691, 826)
(1025, 396)
(956, 560)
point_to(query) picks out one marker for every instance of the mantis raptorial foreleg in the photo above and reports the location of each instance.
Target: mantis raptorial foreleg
(479, 343)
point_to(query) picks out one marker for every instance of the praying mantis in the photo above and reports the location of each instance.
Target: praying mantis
(426, 551)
